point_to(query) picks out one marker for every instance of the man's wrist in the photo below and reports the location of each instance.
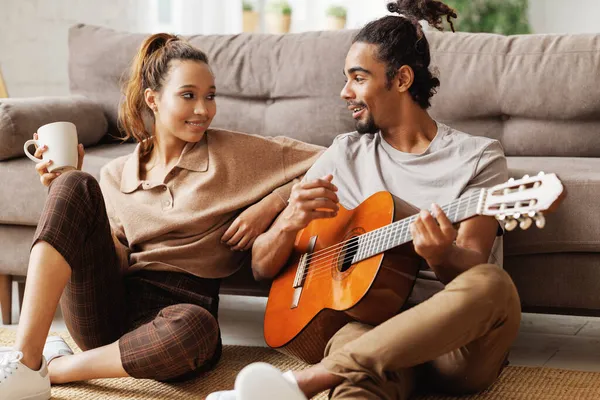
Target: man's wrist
(441, 259)
(275, 203)
(282, 225)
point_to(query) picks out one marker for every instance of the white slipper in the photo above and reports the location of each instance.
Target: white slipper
(261, 381)
(222, 395)
(56, 347)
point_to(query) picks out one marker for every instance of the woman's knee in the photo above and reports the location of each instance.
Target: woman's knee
(76, 190)
(73, 209)
(197, 331)
(182, 340)
(192, 324)
(73, 179)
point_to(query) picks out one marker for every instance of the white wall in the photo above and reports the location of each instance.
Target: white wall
(311, 14)
(190, 17)
(33, 38)
(564, 16)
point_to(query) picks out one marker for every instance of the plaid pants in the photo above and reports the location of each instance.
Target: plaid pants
(165, 322)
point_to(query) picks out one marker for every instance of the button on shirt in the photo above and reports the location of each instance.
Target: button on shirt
(177, 224)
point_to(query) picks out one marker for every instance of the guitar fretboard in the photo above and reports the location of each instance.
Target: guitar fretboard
(395, 234)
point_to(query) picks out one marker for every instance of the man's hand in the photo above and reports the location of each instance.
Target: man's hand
(309, 201)
(432, 240)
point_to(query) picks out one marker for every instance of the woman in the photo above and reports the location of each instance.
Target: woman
(138, 258)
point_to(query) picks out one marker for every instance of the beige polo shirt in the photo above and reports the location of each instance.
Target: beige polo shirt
(177, 224)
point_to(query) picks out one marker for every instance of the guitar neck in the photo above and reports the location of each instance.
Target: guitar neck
(398, 233)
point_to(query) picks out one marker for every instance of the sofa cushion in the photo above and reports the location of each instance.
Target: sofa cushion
(575, 226)
(512, 88)
(16, 243)
(556, 282)
(267, 84)
(519, 90)
(24, 202)
(20, 119)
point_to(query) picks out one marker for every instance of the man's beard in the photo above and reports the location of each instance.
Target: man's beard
(368, 126)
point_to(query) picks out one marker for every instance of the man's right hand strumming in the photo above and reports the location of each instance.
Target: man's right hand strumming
(308, 201)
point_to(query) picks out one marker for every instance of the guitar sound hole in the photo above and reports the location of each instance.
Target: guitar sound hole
(347, 254)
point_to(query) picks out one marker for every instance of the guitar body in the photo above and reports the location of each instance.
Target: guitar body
(335, 292)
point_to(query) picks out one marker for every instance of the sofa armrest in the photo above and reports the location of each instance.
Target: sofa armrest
(21, 117)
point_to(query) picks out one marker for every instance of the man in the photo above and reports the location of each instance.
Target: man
(463, 313)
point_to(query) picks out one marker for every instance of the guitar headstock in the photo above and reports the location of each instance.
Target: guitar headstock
(522, 201)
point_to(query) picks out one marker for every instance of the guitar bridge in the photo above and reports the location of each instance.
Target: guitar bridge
(301, 272)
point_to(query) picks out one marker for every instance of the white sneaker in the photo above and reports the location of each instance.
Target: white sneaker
(56, 347)
(262, 381)
(18, 382)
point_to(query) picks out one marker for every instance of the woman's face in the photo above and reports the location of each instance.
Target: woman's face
(185, 106)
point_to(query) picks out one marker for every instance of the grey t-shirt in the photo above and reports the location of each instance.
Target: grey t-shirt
(454, 165)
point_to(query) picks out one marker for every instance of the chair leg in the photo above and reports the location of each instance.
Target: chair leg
(6, 298)
(21, 287)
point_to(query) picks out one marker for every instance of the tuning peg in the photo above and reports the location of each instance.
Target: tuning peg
(510, 224)
(525, 223)
(541, 173)
(540, 221)
(511, 180)
(525, 176)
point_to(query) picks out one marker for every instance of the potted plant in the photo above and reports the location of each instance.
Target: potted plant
(336, 17)
(278, 16)
(506, 17)
(249, 17)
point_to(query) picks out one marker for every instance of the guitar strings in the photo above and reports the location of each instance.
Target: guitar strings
(370, 236)
(323, 263)
(337, 247)
(376, 233)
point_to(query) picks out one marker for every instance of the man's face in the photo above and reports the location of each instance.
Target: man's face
(366, 91)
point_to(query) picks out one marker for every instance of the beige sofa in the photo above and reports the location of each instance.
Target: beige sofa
(537, 94)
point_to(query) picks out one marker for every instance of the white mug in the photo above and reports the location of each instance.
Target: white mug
(61, 140)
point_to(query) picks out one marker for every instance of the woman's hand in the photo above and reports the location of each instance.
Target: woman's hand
(433, 237)
(47, 177)
(251, 223)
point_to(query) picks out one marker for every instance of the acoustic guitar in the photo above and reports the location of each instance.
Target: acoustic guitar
(361, 265)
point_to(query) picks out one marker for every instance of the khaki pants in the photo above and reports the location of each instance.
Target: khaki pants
(456, 342)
